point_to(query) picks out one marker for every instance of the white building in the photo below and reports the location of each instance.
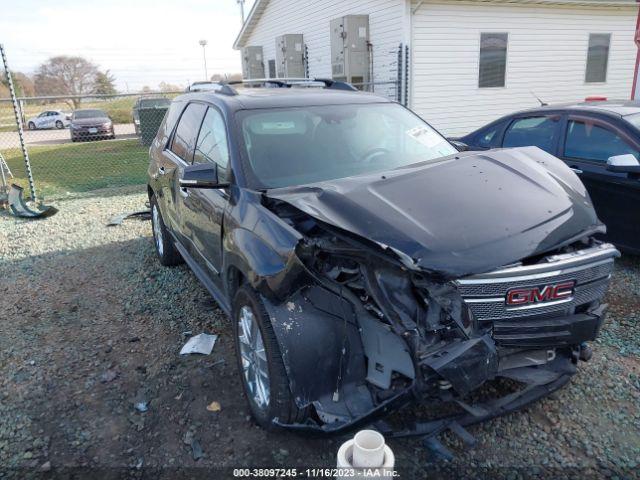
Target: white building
(469, 61)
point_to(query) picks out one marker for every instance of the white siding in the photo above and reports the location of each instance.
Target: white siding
(546, 54)
(311, 18)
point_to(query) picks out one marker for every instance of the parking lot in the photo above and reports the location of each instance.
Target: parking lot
(93, 325)
(55, 136)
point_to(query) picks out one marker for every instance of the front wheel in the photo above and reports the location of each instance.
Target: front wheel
(264, 378)
(165, 249)
(32, 126)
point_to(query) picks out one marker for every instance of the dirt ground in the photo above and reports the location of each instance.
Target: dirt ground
(92, 325)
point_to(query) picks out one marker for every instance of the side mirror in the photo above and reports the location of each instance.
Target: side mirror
(201, 175)
(461, 146)
(627, 163)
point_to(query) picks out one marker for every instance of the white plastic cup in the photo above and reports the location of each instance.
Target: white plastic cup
(368, 449)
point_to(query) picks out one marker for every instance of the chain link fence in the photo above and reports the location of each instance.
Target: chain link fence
(82, 145)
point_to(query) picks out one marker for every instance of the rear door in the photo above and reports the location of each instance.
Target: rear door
(588, 143)
(205, 207)
(177, 155)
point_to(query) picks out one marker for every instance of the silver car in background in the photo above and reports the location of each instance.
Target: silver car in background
(49, 119)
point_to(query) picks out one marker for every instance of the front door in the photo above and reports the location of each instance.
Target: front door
(588, 143)
(206, 207)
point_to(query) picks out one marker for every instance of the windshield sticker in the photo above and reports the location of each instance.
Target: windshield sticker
(425, 136)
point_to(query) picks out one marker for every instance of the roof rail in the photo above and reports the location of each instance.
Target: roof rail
(290, 82)
(215, 87)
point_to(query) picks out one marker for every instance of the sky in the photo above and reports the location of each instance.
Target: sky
(142, 42)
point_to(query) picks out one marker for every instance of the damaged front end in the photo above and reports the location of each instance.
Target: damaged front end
(366, 331)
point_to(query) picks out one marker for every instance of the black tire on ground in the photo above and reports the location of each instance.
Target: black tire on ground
(74, 140)
(59, 125)
(32, 126)
(281, 404)
(162, 241)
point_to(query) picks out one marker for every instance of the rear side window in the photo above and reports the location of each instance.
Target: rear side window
(532, 131)
(184, 140)
(587, 141)
(212, 143)
(170, 119)
(488, 138)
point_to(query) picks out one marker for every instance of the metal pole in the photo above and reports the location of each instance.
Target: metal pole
(241, 3)
(17, 114)
(204, 56)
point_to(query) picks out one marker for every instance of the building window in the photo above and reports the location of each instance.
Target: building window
(493, 59)
(272, 69)
(597, 57)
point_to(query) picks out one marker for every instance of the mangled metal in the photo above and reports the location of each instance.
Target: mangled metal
(370, 316)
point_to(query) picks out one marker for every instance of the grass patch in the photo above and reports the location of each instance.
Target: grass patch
(60, 170)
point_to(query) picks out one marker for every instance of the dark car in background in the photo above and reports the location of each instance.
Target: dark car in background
(366, 264)
(91, 124)
(599, 140)
(159, 103)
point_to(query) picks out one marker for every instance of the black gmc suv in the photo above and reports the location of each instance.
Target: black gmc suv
(367, 264)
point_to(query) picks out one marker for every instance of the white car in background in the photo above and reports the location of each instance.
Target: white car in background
(49, 119)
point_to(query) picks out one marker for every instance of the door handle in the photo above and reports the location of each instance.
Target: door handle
(576, 169)
(162, 170)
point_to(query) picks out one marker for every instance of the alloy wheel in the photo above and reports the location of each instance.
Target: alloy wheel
(157, 230)
(253, 358)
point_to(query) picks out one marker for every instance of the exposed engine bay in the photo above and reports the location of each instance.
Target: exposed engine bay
(367, 331)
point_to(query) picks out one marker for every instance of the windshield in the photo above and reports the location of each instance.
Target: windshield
(78, 114)
(154, 102)
(296, 146)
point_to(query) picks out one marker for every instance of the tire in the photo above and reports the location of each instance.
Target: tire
(165, 249)
(280, 403)
(59, 125)
(31, 126)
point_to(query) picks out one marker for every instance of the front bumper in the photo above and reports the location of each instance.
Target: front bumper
(364, 369)
(86, 133)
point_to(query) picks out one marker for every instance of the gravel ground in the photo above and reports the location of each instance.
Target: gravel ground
(92, 325)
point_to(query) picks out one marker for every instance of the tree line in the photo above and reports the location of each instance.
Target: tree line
(72, 76)
(62, 75)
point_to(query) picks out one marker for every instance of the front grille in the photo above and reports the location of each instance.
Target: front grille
(591, 269)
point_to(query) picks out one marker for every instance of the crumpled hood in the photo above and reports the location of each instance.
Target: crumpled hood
(462, 214)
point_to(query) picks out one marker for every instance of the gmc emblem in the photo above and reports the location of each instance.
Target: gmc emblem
(531, 295)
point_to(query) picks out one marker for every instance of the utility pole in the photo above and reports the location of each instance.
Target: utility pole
(203, 44)
(241, 3)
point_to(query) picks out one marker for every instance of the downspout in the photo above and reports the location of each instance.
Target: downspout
(637, 42)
